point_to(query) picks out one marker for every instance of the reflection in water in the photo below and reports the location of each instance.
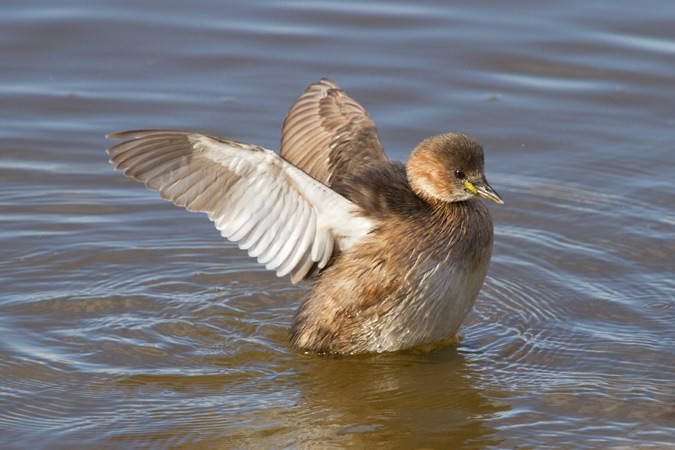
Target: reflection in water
(409, 400)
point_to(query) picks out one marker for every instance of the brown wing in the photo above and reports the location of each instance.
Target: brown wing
(328, 135)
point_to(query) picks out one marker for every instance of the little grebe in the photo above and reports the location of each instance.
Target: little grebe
(396, 253)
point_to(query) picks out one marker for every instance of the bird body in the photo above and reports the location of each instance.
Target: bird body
(396, 254)
(411, 280)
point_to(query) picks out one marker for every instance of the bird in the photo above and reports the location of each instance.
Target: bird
(395, 253)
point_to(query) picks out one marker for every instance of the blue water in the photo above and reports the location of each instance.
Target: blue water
(128, 322)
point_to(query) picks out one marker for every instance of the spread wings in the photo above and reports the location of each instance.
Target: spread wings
(283, 217)
(328, 135)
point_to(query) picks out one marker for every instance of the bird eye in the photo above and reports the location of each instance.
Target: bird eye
(459, 174)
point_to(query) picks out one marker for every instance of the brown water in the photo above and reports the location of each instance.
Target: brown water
(126, 322)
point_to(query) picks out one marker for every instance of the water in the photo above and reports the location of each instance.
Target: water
(126, 322)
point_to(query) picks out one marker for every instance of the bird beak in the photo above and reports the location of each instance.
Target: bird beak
(483, 189)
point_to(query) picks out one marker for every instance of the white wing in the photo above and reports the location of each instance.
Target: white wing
(286, 219)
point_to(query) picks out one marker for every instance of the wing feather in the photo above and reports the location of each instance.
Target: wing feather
(289, 247)
(328, 134)
(267, 231)
(301, 249)
(270, 257)
(282, 216)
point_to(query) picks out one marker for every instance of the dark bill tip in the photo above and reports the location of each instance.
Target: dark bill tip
(486, 191)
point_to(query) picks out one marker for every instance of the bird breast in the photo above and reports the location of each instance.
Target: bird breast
(411, 281)
(436, 291)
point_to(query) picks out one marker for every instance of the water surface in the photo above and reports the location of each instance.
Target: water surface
(125, 321)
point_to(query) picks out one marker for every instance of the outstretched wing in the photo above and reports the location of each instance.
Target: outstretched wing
(328, 135)
(279, 214)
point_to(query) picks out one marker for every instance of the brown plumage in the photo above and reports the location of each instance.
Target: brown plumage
(328, 134)
(396, 253)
